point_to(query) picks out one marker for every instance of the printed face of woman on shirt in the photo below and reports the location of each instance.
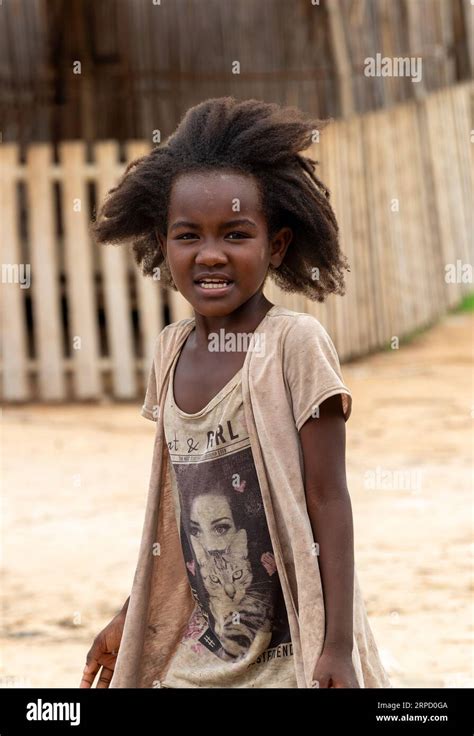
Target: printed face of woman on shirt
(211, 522)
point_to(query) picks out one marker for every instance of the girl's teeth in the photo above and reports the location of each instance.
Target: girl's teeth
(213, 285)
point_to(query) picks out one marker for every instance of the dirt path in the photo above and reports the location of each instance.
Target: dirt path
(75, 482)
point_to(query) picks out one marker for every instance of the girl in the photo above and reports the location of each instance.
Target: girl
(245, 575)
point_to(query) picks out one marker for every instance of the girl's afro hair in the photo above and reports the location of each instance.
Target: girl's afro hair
(250, 137)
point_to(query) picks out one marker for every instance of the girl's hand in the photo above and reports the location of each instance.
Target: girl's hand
(335, 669)
(103, 653)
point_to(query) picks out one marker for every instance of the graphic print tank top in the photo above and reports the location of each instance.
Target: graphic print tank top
(238, 634)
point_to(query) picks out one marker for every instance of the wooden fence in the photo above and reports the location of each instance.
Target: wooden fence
(79, 321)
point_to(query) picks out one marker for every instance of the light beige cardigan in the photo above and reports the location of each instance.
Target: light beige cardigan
(282, 385)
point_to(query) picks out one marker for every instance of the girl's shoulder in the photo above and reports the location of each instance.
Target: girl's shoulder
(300, 329)
(309, 362)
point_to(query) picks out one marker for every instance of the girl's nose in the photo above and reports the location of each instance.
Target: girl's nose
(210, 253)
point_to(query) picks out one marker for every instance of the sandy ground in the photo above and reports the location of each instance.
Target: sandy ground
(75, 483)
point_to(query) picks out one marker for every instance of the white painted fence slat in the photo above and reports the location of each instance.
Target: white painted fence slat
(80, 282)
(115, 282)
(45, 283)
(362, 319)
(377, 204)
(15, 384)
(441, 173)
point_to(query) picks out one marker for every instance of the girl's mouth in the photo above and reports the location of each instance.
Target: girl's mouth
(214, 287)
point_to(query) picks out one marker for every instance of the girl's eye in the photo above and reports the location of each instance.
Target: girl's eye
(186, 236)
(239, 235)
(193, 236)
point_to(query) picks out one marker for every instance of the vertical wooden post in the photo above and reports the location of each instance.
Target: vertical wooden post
(15, 382)
(80, 276)
(115, 280)
(45, 269)
(341, 57)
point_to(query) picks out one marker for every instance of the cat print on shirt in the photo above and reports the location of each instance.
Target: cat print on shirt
(242, 610)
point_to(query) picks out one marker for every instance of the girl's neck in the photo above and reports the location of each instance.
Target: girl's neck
(244, 319)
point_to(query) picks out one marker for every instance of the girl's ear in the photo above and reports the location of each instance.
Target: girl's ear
(279, 245)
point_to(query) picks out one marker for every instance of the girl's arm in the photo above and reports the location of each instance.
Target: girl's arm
(323, 442)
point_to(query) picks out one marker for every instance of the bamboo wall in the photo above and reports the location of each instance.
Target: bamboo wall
(143, 64)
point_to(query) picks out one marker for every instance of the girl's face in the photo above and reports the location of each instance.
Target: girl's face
(216, 229)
